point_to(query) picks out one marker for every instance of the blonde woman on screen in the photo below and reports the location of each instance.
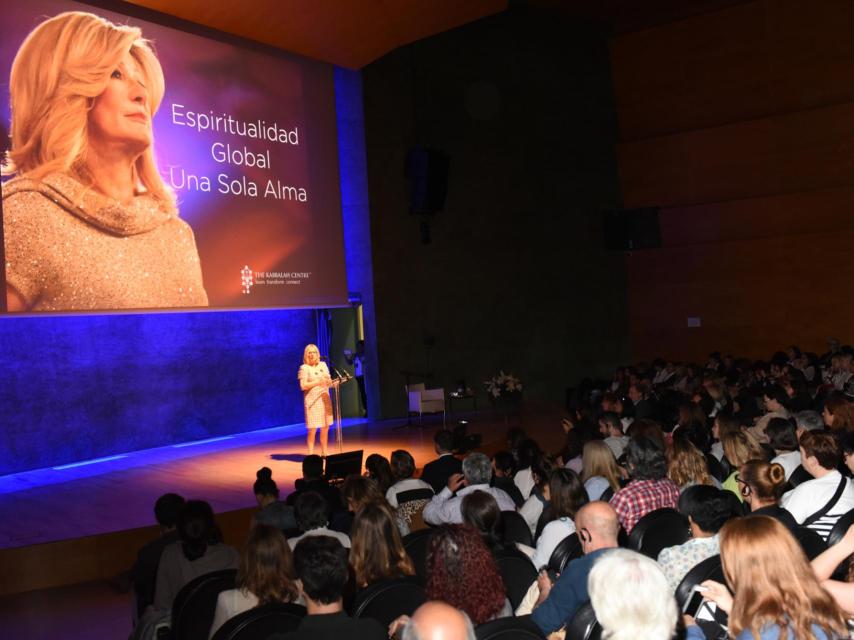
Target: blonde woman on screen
(87, 221)
(314, 380)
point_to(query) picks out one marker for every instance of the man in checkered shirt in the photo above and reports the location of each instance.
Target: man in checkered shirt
(649, 489)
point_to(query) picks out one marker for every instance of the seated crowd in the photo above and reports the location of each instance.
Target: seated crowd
(666, 469)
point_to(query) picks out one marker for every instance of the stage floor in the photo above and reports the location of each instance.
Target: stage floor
(118, 493)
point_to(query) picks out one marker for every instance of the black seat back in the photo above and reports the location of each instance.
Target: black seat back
(840, 528)
(414, 494)
(518, 573)
(812, 543)
(262, 622)
(194, 606)
(658, 529)
(522, 628)
(416, 544)
(716, 469)
(584, 625)
(516, 529)
(607, 494)
(708, 569)
(567, 549)
(388, 600)
(799, 476)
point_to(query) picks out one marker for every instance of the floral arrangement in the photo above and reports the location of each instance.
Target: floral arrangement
(503, 384)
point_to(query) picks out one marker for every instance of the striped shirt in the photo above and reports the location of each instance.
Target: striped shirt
(811, 496)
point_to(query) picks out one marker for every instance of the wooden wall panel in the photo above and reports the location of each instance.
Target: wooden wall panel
(794, 152)
(744, 62)
(753, 297)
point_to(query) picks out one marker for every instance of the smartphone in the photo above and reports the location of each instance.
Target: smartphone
(695, 600)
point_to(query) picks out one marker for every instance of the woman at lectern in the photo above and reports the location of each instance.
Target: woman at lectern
(314, 380)
(88, 222)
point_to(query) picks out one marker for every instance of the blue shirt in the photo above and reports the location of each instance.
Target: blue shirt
(768, 632)
(567, 594)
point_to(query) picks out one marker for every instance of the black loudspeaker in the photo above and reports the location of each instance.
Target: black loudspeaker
(631, 229)
(427, 173)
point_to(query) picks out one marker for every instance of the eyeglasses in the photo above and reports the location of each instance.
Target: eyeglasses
(745, 489)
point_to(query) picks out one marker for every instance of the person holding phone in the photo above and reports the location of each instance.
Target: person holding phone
(775, 593)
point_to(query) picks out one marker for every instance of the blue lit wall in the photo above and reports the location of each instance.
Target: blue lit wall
(76, 388)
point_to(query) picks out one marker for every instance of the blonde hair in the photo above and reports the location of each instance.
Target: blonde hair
(687, 464)
(61, 67)
(773, 582)
(741, 446)
(598, 460)
(305, 352)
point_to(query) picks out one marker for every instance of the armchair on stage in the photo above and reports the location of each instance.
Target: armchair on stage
(423, 400)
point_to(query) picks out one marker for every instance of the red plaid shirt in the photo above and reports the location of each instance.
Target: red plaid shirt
(639, 497)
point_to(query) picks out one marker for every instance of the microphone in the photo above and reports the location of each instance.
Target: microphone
(324, 357)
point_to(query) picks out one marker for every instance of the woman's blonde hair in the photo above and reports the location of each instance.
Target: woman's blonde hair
(741, 446)
(305, 352)
(598, 460)
(773, 582)
(61, 67)
(688, 464)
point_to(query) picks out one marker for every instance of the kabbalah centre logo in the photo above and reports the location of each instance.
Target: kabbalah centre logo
(246, 279)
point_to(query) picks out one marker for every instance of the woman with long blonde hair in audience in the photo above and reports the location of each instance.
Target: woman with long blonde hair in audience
(739, 447)
(599, 470)
(775, 594)
(687, 466)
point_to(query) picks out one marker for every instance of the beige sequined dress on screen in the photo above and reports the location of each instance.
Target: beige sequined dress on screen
(318, 404)
(70, 248)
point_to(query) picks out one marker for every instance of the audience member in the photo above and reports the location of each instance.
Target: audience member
(838, 413)
(144, 573)
(739, 447)
(199, 550)
(774, 399)
(462, 572)
(313, 480)
(808, 421)
(265, 575)
(775, 593)
(598, 526)
(445, 507)
(783, 438)
(565, 495)
(377, 551)
(436, 620)
(273, 512)
(724, 424)
(529, 451)
(437, 472)
(360, 491)
(502, 476)
(846, 444)
(599, 471)
(321, 567)
(631, 597)
(312, 513)
(826, 564)
(706, 509)
(649, 489)
(538, 501)
(762, 485)
(402, 469)
(379, 470)
(611, 427)
(688, 465)
(820, 502)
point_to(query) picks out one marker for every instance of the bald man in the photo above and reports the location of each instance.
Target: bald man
(436, 620)
(597, 526)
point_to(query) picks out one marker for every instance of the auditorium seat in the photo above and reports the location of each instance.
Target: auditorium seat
(515, 529)
(811, 542)
(799, 476)
(566, 550)
(716, 469)
(518, 573)
(658, 529)
(194, 606)
(607, 494)
(584, 625)
(522, 628)
(415, 545)
(387, 600)
(835, 537)
(262, 622)
(708, 569)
